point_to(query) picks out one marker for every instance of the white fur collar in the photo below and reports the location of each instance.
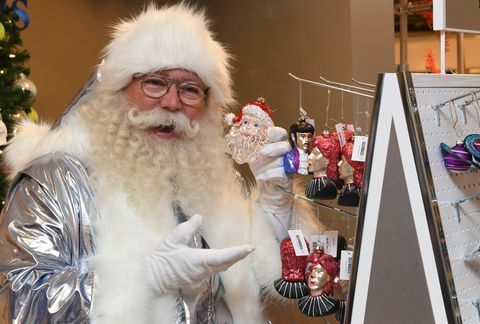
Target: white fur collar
(33, 140)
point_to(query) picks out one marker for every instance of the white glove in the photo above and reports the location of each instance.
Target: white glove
(269, 173)
(174, 265)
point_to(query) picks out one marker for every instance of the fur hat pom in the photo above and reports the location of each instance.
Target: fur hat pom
(229, 119)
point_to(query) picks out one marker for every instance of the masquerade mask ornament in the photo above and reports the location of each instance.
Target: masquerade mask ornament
(457, 158)
(301, 134)
(320, 272)
(292, 284)
(321, 186)
(248, 133)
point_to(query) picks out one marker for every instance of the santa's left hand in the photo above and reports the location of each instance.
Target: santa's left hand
(269, 173)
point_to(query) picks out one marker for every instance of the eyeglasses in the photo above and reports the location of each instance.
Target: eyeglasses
(190, 93)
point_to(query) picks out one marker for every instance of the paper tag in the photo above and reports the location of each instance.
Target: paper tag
(331, 243)
(298, 241)
(345, 264)
(341, 135)
(359, 151)
(315, 241)
(310, 121)
(351, 128)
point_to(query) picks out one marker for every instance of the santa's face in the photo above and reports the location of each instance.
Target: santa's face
(246, 138)
(303, 141)
(170, 102)
(251, 126)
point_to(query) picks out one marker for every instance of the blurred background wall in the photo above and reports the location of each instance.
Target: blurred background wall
(337, 39)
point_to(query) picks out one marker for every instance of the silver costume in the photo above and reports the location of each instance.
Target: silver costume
(46, 238)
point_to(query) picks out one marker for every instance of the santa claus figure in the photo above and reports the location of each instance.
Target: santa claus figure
(128, 210)
(248, 133)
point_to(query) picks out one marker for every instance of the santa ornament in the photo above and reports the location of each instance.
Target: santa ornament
(248, 133)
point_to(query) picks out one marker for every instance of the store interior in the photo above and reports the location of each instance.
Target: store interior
(300, 54)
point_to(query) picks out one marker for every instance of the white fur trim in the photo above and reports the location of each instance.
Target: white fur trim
(258, 113)
(171, 37)
(229, 119)
(33, 140)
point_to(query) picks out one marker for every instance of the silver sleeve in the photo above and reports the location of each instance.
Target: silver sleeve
(45, 240)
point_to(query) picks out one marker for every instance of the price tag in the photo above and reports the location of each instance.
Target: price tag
(341, 136)
(311, 121)
(315, 241)
(359, 151)
(331, 243)
(298, 241)
(345, 264)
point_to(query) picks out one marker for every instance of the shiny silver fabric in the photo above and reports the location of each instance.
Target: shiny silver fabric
(45, 239)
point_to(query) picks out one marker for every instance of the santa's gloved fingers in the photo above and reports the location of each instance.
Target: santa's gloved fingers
(183, 233)
(276, 134)
(271, 174)
(275, 149)
(217, 260)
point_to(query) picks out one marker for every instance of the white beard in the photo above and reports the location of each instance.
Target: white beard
(244, 148)
(192, 169)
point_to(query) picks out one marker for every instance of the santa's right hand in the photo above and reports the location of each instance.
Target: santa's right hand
(269, 163)
(174, 265)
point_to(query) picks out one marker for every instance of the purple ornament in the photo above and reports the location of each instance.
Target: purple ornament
(456, 158)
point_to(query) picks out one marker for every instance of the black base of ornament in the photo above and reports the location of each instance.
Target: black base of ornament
(291, 290)
(321, 188)
(316, 306)
(349, 196)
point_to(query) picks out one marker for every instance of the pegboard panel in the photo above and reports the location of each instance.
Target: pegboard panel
(459, 231)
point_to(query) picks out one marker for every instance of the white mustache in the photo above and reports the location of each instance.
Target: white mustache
(159, 116)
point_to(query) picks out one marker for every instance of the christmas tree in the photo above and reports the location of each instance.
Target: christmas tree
(17, 92)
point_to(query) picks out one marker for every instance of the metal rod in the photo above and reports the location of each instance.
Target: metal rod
(403, 13)
(363, 83)
(455, 204)
(440, 105)
(460, 54)
(346, 85)
(319, 84)
(337, 210)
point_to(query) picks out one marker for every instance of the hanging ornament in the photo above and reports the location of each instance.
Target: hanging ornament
(249, 131)
(292, 284)
(301, 134)
(325, 148)
(33, 114)
(25, 83)
(2, 31)
(321, 272)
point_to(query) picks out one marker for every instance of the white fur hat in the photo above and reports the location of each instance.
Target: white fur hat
(171, 37)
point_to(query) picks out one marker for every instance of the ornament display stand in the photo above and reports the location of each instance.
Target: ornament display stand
(416, 254)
